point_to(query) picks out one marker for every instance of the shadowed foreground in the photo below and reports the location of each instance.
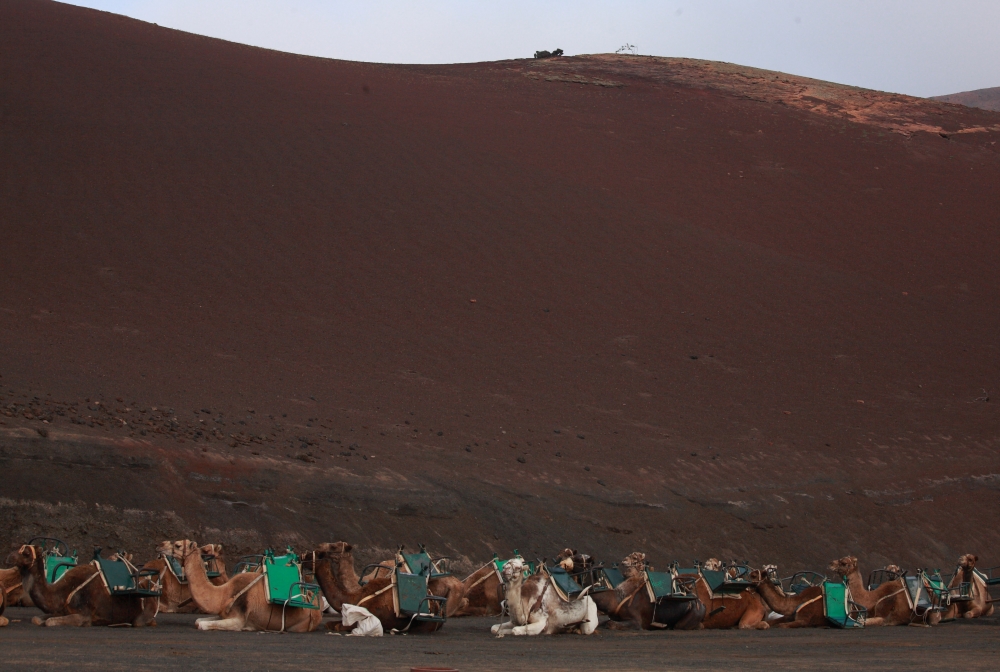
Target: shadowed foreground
(466, 644)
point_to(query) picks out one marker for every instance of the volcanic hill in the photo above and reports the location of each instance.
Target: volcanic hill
(987, 99)
(608, 302)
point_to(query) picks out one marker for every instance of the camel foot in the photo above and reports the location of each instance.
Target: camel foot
(4, 621)
(38, 620)
(874, 622)
(226, 624)
(761, 625)
(620, 625)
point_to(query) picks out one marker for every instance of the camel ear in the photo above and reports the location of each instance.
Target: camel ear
(348, 547)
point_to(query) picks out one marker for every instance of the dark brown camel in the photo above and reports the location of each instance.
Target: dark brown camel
(334, 570)
(804, 610)
(628, 606)
(80, 597)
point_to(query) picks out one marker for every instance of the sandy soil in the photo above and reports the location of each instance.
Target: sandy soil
(599, 301)
(466, 644)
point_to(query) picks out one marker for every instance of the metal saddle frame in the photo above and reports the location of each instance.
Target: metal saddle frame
(838, 607)
(411, 597)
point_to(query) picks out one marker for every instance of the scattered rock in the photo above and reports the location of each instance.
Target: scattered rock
(440, 433)
(42, 432)
(586, 468)
(600, 482)
(521, 460)
(580, 436)
(468, 449)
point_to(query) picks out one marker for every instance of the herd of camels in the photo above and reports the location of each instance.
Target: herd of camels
(532, 603)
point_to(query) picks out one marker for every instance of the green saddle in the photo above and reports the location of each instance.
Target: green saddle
(721, 582)
(178, 569)
(122, 579)
(283, 579)
(421, 563)
(529, 567)
(566, 583)
(838, 608)
(613, 576)
(56, 566)
(414, 599)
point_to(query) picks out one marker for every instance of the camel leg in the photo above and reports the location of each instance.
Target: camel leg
(501, 629)
(533, 628)
(752, 620)
(4, 621)
(874, 622)
(76, 620)
(234, 624)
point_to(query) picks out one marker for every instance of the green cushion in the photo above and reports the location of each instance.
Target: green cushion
(565, 582)
(662, 584)
(420, 563)
(836, 607)
(283, 577)
(57, 565)
(120, 580)
(613, 576)
(411, 591)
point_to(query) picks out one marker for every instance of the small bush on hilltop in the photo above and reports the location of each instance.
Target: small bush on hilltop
(548, 54)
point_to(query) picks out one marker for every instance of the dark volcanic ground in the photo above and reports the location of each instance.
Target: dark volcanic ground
(610, 302)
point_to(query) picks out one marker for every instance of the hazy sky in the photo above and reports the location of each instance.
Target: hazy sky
(920, 47)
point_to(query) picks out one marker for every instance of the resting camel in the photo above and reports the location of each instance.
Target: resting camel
(79, 598)
(628, 604)
(449, 587)
(333, 565)
(888, 604)
(745, 610)
(804, 610)
(979, 605)
(483, 592)
(537, 609)
(175, 597)
(238, 604)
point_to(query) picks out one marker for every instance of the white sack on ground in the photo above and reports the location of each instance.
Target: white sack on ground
(367, 624)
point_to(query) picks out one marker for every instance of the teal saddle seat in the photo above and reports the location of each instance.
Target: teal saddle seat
(122, 579)
(613, 576)
(283, 580)
(723, 583)
(58, 559)
(838, 607)
(566, 583)
(413, 598)
(421, 563)
(802, 580)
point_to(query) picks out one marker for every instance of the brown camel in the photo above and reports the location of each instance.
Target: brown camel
(888, 604)
(79, 598)
(980, 604)
(175, 597)
(804, 610)
(483, 592)
(241, 603)
(745, 610)
(334, 567)
(629, 606)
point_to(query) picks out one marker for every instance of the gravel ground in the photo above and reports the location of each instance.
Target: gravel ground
(465, 644)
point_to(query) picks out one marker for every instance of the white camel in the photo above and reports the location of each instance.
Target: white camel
(537, 609)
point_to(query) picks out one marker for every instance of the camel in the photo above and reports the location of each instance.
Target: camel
(333, 564)
(804, 610)
(745, 610)
(175, 597)
(241, 603)
(537, 609)
(78, 599)
(628, 604)
(449, 587)
(483, 591)
(980, 604)
(888, 604)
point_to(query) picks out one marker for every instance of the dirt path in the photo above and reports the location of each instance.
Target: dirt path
(467, 645)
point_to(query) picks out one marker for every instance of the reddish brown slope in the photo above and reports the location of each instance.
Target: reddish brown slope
(695, 272)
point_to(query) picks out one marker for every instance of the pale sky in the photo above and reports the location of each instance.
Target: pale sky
(919, 47)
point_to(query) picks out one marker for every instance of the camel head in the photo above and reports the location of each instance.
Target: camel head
(633, 564)
(338, 553)
(713, 565)
(26, 556)
(757, 576)
(968, 561)
(567, 564)
(214, 550)
(177, 549)
(845, 565)
(771, 571)
(894, 570)
(513, 569)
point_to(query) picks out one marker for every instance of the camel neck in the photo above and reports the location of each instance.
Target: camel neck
(45, 596)
(210, 598)
(512, 591)
(335, 586)
(779, 602)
